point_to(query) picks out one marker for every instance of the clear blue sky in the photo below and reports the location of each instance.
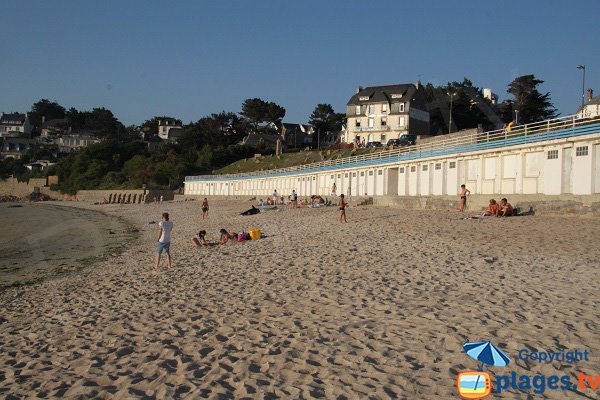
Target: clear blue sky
(188, 59)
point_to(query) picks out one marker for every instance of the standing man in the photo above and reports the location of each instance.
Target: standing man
(294, 199)
(334, 190)
(464, 192)
(164, 239)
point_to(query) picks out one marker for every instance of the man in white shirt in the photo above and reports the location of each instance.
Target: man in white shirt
(164, 239)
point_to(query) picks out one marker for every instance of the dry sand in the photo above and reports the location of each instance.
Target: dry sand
(376, 308)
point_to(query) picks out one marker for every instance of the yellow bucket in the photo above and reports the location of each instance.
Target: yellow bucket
(254, 234)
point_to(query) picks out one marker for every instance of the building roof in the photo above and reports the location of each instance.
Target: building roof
(168, 121)
(16, 119)
(380, 94)
(594, 101)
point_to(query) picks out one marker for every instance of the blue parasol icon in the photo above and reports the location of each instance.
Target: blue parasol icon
(486, 353)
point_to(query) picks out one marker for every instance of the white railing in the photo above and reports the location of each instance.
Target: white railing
(496, 135)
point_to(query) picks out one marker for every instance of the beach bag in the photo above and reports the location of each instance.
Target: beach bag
(240, 237)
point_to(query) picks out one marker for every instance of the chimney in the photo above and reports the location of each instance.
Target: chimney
(359, 88)
(418, 85)
(590, 94)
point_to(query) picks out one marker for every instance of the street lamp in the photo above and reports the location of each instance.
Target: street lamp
(582, 67)
(451, 95)
(516, 117)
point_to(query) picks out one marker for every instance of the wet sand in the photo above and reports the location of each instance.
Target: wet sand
(377, 308)
(42, 240)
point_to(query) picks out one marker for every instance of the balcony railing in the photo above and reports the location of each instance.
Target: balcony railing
(545, 130)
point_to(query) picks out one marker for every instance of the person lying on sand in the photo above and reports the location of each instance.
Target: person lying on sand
(493, 209)
(251, 211)
(200, 239)
(227, 236)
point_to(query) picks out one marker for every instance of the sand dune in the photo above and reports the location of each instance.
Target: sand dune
(376, 308)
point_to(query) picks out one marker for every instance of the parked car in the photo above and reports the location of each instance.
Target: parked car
(373, 145)
(393, 143)
(407, 140)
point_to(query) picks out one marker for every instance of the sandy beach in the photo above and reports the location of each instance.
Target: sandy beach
(43, 240)
(376, 308)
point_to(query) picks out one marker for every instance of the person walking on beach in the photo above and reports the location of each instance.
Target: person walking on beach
(334, 190)
(343, 205)
(294, 199)
(464, 192)
(164, 240)
(205, 208)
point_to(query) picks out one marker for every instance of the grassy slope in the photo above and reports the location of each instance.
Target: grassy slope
(289, 160)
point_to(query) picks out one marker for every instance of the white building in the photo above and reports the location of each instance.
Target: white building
(380, 113)
(560, 156)
(591, 109)
(14, 124)
(165, 126)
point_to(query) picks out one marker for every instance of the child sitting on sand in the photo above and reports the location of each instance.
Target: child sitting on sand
(506, 209)
(226, 236)
(200, 239)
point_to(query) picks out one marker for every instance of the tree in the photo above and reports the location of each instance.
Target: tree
(257, 111)
(325, 119)
(47, 109)
(529, 102)
(469, 108)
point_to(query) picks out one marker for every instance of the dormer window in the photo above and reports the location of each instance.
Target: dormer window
(364, 98)
(396, 95)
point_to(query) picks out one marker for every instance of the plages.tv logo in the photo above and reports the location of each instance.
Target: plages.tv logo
(478, 384)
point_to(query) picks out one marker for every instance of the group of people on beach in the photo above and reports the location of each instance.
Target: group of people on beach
(495, 209)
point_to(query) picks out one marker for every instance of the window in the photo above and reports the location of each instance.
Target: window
(438, 166)
(380, 172)
(552, 154)
(332, 176)
(371, 122)
(353, 174)
(581, 151)
(401, 170)
(383, 121)
(401, 107)
(413, 169)
(298, 179)
(425, 167)
(339, 175)
(357, 110)
(383, 138)
(401, 122)
(358, 123)
(452, 164)
(384, 108)
(362, 173)
(346, 175)
(370, 173)
(371, 109)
